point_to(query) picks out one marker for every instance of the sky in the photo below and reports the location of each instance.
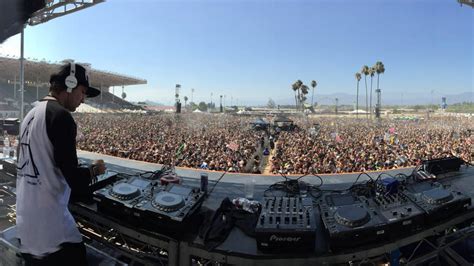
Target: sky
(251, 50)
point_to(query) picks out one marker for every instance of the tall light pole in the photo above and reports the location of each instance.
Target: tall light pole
(22, 73)
(378, 107)
(53, 9)
(192, 94)
(432, 92)
(221, 109)
(211, 101)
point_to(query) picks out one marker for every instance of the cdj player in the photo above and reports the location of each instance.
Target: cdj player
(437, 201)
(145, 203)
(350, 221)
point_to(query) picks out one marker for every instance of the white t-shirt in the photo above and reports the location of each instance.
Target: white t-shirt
(43, 191)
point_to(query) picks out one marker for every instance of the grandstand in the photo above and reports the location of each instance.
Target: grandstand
(37, 75)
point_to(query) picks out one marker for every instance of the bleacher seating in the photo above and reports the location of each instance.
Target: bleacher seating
(107, 101)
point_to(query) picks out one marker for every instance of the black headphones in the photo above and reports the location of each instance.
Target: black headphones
(71, 80)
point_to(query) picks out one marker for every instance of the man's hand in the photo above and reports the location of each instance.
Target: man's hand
(98, 167)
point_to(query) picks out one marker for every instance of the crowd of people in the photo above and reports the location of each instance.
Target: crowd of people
(317, 145)
(350, 145)
(222, 143)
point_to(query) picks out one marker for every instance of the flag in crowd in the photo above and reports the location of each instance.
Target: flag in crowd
(233, 146)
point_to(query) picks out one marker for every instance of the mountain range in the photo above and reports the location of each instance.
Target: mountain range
(413, 98)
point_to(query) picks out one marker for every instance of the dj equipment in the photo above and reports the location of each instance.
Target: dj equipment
(438, 202)
(286, 224)
(171, 206)
(423, 175)
(170, 179)
(9, 169)
(103, 180)
(349, 220)
(144, 203)
(11, 125)
(387, 186)
(442, 165)
(400, 215)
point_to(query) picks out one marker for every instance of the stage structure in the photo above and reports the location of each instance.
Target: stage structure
(52, 9)
(467, 2)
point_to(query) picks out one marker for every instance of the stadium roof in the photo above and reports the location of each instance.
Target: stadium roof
(38, 72)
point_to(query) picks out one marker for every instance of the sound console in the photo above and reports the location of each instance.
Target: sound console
(145, 203)
(286, 224)
(400, 215)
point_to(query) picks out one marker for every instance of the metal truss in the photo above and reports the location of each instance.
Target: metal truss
(467, 2)
(442, 247)
(135, 246)
(58, 8)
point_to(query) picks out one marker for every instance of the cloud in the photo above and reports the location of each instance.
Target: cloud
(11, 46)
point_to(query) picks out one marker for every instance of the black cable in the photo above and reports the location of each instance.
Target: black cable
(301, 177)
(217, 182)
(289, 186)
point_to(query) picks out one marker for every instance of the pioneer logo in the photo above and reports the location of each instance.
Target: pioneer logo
(275, 238)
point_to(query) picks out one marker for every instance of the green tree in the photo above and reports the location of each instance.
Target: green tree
(313, 84)
(365, 72)
(358, 76)
(296, 88)
(380, 69)
(271, 103)
(371, 73)
(185, 100)
(193, 106)
(202, 106)
(304, 90)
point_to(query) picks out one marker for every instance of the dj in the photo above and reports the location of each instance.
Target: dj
(48, 173)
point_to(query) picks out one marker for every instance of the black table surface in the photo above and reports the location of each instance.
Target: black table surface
(240, 244)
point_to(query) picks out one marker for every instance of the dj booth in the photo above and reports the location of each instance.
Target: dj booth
(365, 218)
(423, 233)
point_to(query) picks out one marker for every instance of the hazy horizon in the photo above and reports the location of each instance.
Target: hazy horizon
(250, 51)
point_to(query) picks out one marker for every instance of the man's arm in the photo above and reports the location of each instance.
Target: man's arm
(61, 130)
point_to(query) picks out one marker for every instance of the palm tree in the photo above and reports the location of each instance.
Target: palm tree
(185, 100)
(304, 91)
(371, 72)
(313, 84)
(294, 88)
(358, 76)
(365, 71)
(124, 95)
(220, 107)
(380, 69)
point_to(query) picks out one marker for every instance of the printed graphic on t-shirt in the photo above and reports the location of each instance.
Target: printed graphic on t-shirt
(26, 164)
